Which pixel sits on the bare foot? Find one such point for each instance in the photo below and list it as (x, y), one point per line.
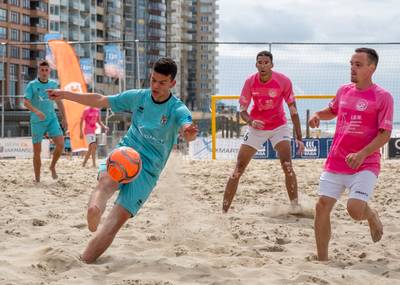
(53, 173)
(93, 218)
(375, 227)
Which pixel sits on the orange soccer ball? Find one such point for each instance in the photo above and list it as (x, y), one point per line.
(124, 164)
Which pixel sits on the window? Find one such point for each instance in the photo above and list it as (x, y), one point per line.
(14, 2)
(99, 48)
(3, 15)
(26, 53)
(14, 35)
(13, 72)
(3, 33)
(54, 10)
(99, 64)
(14, 17)
(14, 52)
(26, 20)
(99, 79)
(54, 26)
(26, 4)
(26, 37)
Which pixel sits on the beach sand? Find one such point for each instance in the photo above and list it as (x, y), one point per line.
(180, 235)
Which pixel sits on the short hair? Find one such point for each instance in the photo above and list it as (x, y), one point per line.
(43, 62)
(371, 54)
(166, 66)
(265, 53)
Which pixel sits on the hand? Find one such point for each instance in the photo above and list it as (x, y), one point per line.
(40, 115)
(354, 160)
(314, 121)
(190, 132)
(257, 124)
(300, 147)
(55, 94)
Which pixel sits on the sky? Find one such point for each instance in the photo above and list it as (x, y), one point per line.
(313, 69)
(309, 20)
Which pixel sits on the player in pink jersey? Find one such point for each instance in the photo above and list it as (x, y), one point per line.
(90, 116)
(364, 113)
(267, 121)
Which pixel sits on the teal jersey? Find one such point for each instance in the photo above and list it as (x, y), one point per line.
(36, 93)
(154, 126)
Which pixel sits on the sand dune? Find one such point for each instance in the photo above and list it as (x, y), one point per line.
(181, 237)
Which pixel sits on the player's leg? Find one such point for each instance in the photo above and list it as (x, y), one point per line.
(55, 132)
(322, 225)
(38, 130)
(280, 140)
(245, 154)
(330, 188)
(37, 163)
(130, 199)
(94, 149)
(104, 237)
(105, 188)
(87, 155)
(283, 149)
(361, 190)
(59, 147)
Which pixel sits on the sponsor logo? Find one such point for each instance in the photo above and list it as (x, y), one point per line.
(163, 120)
(74, 87)
(362, 105)
(272, 93)
(361, 193)
(140, 109)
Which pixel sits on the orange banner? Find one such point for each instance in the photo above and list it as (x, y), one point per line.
(71, 79)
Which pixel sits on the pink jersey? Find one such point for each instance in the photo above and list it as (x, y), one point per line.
(360, 115)
(90, 117)
(267, 98)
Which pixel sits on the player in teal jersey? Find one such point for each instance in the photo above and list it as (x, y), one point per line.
(44, 118)
(157, 119)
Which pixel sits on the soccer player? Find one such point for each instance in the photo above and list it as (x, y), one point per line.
(157, 119)
(267, 121)
(44, 118)
(90, 117)
(364, 113)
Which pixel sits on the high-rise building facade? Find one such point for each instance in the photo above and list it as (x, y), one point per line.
(203, 57)
(21, 21)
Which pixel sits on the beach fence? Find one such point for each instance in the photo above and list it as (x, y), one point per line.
(206, 69)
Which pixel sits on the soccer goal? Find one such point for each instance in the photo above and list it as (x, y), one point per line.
(227, 127)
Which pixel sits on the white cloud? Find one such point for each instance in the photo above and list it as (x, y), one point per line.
(309, 20)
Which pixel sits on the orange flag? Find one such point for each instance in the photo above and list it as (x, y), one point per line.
(71, 79)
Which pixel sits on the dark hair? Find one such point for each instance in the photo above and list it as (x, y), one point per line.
(43, 62)
(371, 53)
(166, 66)
(265, 53)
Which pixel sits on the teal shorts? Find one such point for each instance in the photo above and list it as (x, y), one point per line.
(39, 129)
(133, 195)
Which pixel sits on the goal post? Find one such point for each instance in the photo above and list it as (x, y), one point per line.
(216, 98)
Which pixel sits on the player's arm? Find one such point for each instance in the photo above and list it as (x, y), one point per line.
(88, 99)
(324, 115)
(294, 115)
(189, 132)
(102, 124)
(81, 126)
(61, 108)
(354, 160)
(29, 106)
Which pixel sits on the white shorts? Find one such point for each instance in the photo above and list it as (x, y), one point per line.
(361, 184)
(90, 138)
(256, 138)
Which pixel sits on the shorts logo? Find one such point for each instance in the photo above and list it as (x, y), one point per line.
(163, 120)
(362, 105)
(361, 193)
